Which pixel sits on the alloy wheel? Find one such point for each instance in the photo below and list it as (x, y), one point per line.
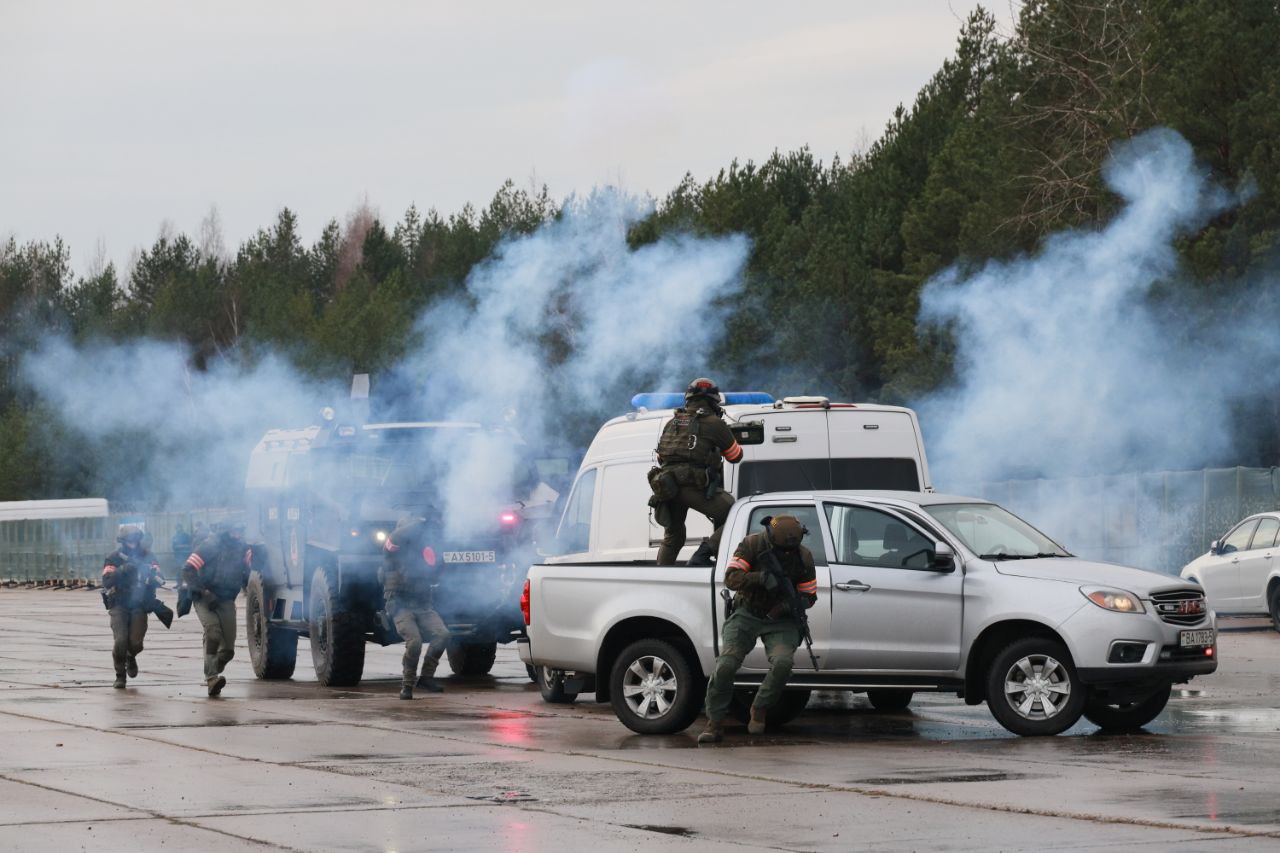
(649, 687)
(1037, 687)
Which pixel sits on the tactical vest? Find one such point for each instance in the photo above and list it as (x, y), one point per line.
(681, 442)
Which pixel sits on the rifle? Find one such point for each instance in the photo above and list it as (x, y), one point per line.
(790, 595)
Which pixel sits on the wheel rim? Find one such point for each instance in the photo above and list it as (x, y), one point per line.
(551, 677)
(256, 621)
(1037, 687)
(649, 687)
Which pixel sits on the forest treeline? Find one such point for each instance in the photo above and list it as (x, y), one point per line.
(1003, 145)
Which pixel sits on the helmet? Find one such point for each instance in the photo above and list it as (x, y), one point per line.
(233, 528)
(786, 531)
(702, 387)
(129, 534)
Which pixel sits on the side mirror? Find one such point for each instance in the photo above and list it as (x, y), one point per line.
(1215, 547)
(944, 558)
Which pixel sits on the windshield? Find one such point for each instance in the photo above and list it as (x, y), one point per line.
(994, 533)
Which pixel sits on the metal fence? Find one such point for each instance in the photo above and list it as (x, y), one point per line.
(1158, 521)
(69, 552)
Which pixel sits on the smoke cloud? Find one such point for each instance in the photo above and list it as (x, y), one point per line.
(1066, 366)
(557, 326)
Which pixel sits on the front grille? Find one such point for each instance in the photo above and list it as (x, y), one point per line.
(1180, 606)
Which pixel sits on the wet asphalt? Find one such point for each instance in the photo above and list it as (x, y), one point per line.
(489, 766)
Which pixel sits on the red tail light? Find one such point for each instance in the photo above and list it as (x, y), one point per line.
(509, 518)
(429, 555)
(524, 603)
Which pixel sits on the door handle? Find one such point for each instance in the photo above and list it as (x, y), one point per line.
(854, 586)
(1235, 559)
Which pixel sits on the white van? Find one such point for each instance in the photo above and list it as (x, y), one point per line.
(808, 444)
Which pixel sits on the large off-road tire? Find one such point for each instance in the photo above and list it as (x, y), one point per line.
(551, 686)
(790, 706)
(1033, 689)
(1129, 716)
(890, 701)
(337, 637)
(1273, 604)
(654, 689)
(471, 659)
(273, 649)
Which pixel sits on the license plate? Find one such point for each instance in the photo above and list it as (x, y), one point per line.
(1193, 639)
(471, 556)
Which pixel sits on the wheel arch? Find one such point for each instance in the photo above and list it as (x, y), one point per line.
(626, 632)
(988, 643)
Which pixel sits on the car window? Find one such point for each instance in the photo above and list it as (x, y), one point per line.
(791, 475)
(868, 537)
(808, 515)
(1265, 535)
(575, 530)
(1238, 539)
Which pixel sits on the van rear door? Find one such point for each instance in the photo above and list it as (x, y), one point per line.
(873, 449)
(793, 457)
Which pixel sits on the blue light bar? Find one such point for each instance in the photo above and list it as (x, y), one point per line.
(674, 400)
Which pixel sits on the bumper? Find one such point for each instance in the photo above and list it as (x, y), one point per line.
(525, 650)
(1091, 633)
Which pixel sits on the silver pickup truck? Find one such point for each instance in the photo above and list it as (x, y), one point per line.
(916, 592)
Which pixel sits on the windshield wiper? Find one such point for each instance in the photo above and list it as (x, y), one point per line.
(1017, 556)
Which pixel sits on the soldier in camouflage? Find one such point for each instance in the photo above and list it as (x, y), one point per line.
(761, 612)
(690, 475)
(213, 576)
(408, 573)
(130, 576)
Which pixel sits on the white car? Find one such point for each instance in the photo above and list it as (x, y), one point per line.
(1241, 571)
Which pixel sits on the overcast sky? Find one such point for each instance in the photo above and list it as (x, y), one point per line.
(121, 115)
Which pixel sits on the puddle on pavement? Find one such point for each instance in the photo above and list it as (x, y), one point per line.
(681, 831)
(1224, 720)
(929, 777)
(1219, 806)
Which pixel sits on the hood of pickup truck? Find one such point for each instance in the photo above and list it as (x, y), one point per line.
(1078, 571)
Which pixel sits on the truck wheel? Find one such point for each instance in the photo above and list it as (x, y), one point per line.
(470, 659)
(337, 638)
(790, 706)
(532, 672)
(1129, 716)
(272, 648)
(653, 688)
(1032, 687)
(551, 686)
(889, 701)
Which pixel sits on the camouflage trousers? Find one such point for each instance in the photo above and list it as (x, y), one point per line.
(128, 627)
(415, 624)
(716, 508)
(741, 630)
(218, 618)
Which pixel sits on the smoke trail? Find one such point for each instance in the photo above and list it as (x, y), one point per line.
(1064, 367)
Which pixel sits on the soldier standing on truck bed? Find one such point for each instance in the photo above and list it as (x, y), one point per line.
(212, 577)
(408, 573)
(130, 576)
(691, 451)
(762, 609)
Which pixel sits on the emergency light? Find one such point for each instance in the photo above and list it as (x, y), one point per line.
(665, 400)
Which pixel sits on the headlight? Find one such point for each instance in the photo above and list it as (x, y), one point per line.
(380, 536)
(1113, 599)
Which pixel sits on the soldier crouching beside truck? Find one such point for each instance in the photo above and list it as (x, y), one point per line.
(775, 581)
(212, 577)
(130, 576)
(408, 573)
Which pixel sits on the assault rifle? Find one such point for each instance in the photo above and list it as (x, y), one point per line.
(790, 595)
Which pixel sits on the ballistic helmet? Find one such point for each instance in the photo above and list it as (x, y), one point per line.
(129, 534)
(786, 531)
(703, 387)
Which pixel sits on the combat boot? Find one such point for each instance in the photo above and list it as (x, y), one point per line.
(756, 726)
(406, 692)
(216, 685)
(713, 733)
(119, 683)
(131, 667)
(429, 684)
(704, 556)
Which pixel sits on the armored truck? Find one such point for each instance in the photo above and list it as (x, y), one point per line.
(322, 500)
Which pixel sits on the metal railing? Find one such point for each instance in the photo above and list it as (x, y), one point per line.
(62, 553)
